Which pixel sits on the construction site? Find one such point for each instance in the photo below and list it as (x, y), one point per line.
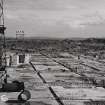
(56, 78)
(36, 71)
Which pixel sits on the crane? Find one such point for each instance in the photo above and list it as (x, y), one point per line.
(14, 86)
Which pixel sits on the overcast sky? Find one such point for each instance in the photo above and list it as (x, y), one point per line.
(56, 18)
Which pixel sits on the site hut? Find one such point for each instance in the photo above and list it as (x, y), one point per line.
(23, 58)
(16, 59)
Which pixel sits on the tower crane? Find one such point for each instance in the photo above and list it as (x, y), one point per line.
(14, 86)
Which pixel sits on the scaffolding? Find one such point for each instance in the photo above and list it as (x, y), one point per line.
(19, 39)
(20, 46)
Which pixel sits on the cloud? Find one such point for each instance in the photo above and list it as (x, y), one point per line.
(11, 16)
(55, 16)
(40, 5)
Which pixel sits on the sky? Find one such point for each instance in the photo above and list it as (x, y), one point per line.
(55, 18)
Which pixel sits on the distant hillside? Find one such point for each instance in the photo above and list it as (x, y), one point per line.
(72, 44)
(95, 40)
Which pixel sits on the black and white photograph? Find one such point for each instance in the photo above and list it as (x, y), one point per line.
(52, 52)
